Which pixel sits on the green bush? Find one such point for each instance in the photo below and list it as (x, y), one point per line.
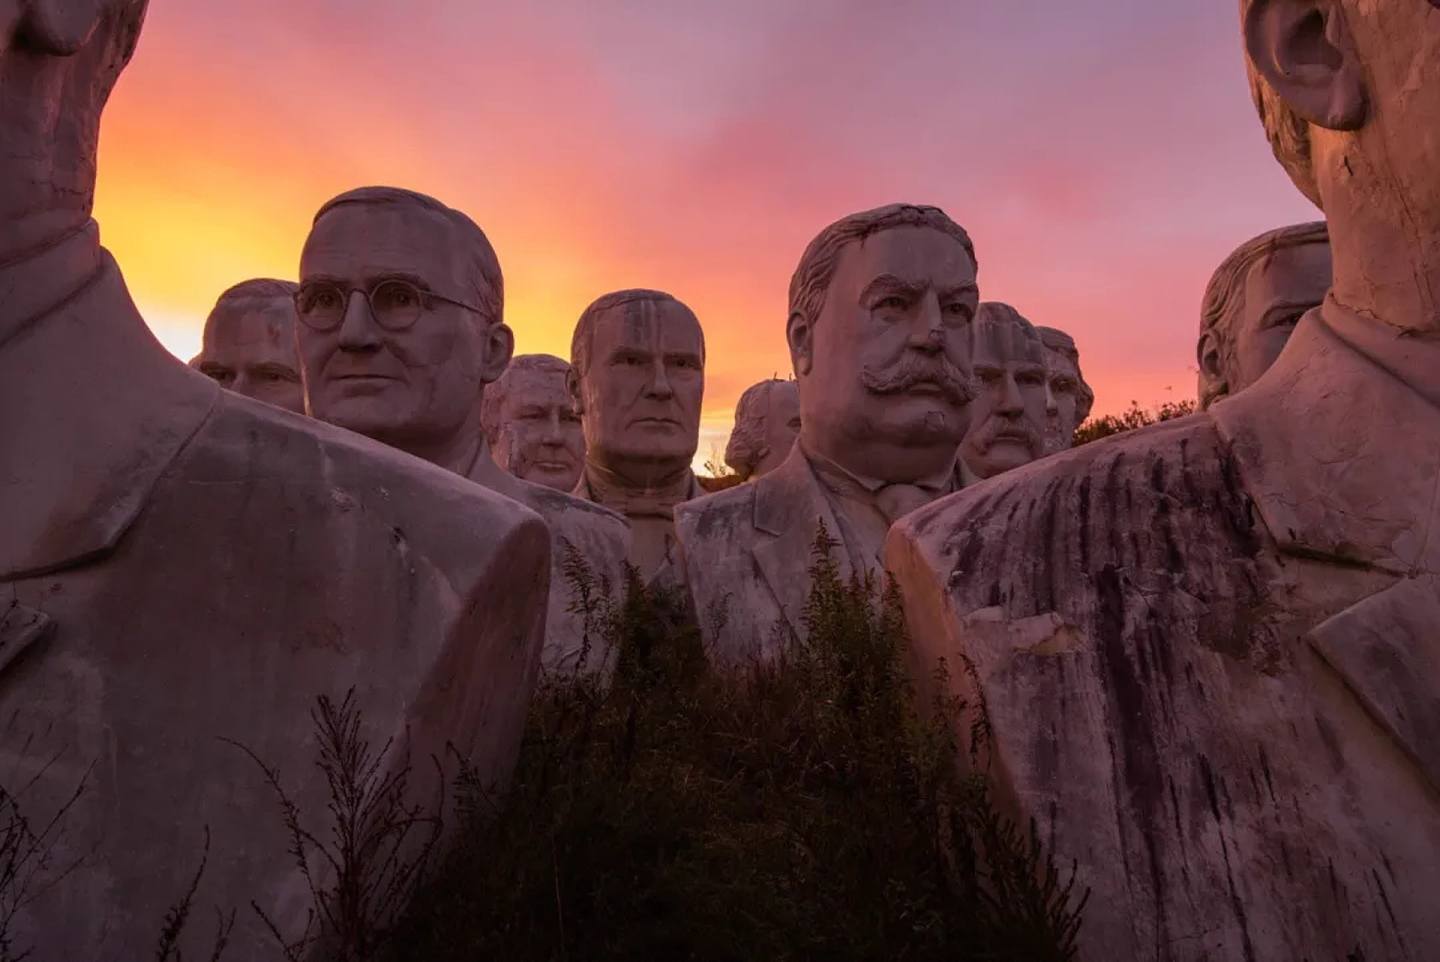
(1132, 418)
(802, 809)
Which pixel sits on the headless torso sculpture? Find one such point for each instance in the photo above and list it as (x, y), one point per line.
(1208, 649)
(180, 565)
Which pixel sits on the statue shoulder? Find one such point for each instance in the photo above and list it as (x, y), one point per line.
(715, 515)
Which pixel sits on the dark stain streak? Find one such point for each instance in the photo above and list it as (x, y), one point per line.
(1208, 777)
(1265, 770)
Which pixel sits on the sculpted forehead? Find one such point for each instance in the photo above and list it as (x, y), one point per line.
(1059, 362)
(1291, 276)
(357, 242)
(542, 388)
(998, 343)
(251, 324)
(649, 325)
(918, 255)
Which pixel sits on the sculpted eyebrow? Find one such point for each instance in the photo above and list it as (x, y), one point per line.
(888, 284)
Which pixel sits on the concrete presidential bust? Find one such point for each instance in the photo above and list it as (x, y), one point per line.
(401, 310)
(249, 344)
(638, 380)
(1008, 418)
(881, 307)
(1208, 648)
(1068, 398)
(531, 425)
(1253, 303)
(180, 564)
(767, 422)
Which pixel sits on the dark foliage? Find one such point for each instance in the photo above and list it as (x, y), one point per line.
(798, 810)
(1135, 417)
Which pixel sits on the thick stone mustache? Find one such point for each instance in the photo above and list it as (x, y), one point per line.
(911, 372)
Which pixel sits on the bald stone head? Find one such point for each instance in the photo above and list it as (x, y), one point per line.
(1253, 302)
(1007, 418)
(59, 60)
(767, 421)
(249, 344)
(638, 383)
(881, 305)
(401, 321)
(1068, 399)
(530, 422)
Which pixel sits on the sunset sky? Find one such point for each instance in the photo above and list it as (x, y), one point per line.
(1103, 154)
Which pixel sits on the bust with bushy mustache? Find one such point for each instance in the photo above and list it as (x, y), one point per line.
(881, 350)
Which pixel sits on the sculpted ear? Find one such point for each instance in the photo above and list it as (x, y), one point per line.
(499, 348)
(61, 27)
(1212, 375)
(572, 388)
(1304, 51)
(800, 334)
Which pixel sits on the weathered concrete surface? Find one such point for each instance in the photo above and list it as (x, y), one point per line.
(1231, 731)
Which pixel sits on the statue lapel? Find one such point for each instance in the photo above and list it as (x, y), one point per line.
(789, 508)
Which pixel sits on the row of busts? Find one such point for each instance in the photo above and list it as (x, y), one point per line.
(1033, 395)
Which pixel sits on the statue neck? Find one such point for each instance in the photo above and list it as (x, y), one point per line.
(34, 282)
(672, 486)
(458, 451)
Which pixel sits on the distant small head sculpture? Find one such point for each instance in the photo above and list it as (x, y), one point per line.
(1068, 399)
(767, 421)
(249, 343)
(530, 422)
(1253, 302)
(59, 60)
(1007, 425)
(881, 306)
(638, 380)
(401, 310)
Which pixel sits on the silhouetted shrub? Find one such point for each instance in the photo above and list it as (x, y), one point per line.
(1132, 418)
(802, 809)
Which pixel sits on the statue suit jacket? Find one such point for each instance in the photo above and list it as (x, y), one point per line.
(745, 557)
(180, 566)
(1210, 656)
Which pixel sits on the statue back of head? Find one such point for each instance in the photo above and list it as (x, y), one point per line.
(880, 309)
(1254, 300)
(767, 421)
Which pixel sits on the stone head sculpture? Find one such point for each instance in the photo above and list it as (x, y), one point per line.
(58, 63)
(767, 421)
(249, 343)
(530, 421)
(1253, 302)
(401, 322)
(638, 379)
(1008, 417)
(1334, 82)
(1068, 399)
(879, 331)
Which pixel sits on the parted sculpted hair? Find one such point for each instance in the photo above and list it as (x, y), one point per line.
(580, 342)
(493, 403)
(484, 273)
(1057, 340)
(812, 277)
(746, 447)
(1225, 294)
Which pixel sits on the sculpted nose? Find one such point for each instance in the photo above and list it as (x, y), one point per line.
(927, 331)
(660, 383)
(357, 330)
(1011, 403)
(552, 434)
(1052, 402)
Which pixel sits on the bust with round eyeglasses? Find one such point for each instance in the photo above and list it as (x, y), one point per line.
(401, 309)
